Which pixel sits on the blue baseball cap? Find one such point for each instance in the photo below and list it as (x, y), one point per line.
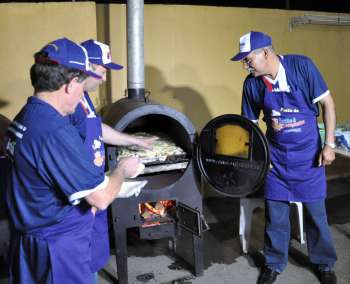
(250, 42)
(100, 54)
(69, 54)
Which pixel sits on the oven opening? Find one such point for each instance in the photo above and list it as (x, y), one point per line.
(158, 219)
(157, 213)
(171, 152)
(160, 123)
(164, 156)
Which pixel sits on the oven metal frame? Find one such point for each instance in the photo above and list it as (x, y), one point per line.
(125, 214)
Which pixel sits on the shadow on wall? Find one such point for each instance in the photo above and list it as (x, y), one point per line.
(184, 98)
(103, 35)
(3, 103)
(14, 95)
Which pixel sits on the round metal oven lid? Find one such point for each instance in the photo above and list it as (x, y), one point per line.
(232, 155)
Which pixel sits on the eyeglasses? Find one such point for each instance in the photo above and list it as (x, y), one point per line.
(248, 61)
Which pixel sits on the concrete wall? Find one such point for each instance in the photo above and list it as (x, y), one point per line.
(24, 29)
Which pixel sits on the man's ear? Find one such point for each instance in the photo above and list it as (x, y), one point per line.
(68, 88)
(266, 52)
(69, 85)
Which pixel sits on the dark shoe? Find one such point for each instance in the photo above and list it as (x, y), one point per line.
(268, 276)
(328, 277)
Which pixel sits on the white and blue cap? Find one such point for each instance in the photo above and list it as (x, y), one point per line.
(100, 54)
(69, 54)
(250, 42)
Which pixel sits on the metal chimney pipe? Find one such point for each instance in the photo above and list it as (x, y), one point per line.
(135, 44)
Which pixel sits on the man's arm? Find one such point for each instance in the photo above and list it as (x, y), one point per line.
(127, 168)
(327, 155)
(252, 99)
(114, 137)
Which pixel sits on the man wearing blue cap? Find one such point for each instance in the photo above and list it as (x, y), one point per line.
(53, 182)
(288, 90)
(95, 134)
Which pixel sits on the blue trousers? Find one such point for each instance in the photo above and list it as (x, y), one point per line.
(277, 235)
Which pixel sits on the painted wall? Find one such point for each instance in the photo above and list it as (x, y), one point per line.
(187, 52)
(24, 29)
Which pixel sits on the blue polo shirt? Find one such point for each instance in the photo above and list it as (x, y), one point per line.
(84, 109)
(308, 79)
(51, 170)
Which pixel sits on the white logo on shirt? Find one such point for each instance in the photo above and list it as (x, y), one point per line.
(97, 144)
(275, 113)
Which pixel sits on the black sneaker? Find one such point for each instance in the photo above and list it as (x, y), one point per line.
(268, 276)
(328, 277)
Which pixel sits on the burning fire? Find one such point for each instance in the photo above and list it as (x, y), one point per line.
(151, 210)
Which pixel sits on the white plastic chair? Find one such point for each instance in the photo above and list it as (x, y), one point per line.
(247, 206)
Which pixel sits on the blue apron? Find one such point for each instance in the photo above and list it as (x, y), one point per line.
(295, 145)
(56, 254)
(94, 144)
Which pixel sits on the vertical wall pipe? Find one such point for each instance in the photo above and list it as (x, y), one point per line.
(135, 44)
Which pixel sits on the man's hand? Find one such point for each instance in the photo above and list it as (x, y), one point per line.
(146, 143)
(327, 156)
(114, 137)
(129, 167)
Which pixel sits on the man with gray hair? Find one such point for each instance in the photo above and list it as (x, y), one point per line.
(288, 90)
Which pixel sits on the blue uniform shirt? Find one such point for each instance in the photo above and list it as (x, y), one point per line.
(89, 126)
(51, 171)
(308, 79)
(78, 118)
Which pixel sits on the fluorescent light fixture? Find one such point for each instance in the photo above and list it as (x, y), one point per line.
(309, 19)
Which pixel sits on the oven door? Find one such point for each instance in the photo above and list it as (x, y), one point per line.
(191, 219)
(232, 155)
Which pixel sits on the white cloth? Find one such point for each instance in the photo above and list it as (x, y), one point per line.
(130, 188)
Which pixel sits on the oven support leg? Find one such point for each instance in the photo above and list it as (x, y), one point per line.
(120, 243)
(197, 243)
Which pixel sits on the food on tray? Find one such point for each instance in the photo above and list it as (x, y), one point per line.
(162, 149)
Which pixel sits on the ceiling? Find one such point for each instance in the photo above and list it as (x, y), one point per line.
(341, 6)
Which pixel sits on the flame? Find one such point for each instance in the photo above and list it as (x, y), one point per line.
(150, 210)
